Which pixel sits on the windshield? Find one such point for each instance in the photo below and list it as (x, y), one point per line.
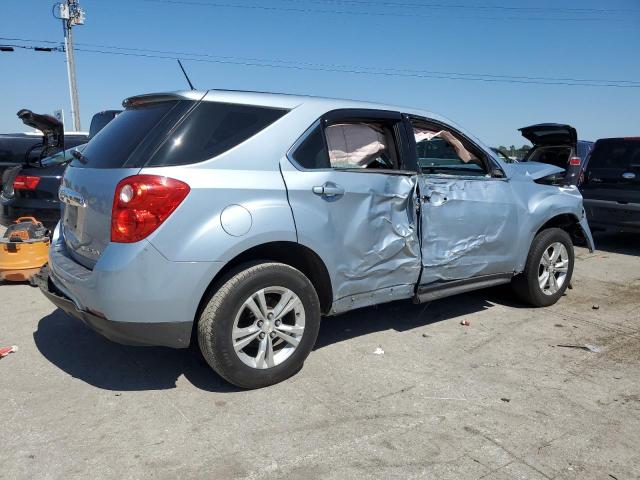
(61, 157)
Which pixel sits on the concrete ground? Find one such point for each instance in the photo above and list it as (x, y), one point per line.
(497, 399)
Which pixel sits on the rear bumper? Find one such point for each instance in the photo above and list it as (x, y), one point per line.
(127, 333)
(133, 295)
(604, 214)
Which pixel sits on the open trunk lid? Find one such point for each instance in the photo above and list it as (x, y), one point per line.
(52, 130)
(550, 134)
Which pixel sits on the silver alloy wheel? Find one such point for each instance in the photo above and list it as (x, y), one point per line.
(268, 327)
(553, 268)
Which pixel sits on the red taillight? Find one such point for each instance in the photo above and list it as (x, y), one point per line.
(25, 182)
(575, 161)
(141, 203)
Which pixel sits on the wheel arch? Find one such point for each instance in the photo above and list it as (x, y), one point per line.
(293, 254)
(565, 220)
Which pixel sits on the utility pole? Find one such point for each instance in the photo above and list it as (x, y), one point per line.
(71, 15)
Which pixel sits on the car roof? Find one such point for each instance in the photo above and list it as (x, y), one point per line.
(281, 100)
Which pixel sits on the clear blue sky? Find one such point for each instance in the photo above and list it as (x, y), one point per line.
(560, 42)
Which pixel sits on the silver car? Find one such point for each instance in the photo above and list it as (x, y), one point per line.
(237, 219)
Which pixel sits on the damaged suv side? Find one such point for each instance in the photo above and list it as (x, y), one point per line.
(239, 218)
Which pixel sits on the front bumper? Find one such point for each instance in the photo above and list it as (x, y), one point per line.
(126, 333)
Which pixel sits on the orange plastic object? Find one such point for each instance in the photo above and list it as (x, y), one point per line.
(21, 258)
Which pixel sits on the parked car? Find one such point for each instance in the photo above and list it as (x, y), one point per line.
(243, 217)
(31, 188)
(611, 186)
(557, 144)
(27, 148)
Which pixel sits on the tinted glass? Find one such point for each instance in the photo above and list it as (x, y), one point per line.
(312, 152)
(61, 157)
(211, 129)
(100, 120)
(620, 154)
(113, 146)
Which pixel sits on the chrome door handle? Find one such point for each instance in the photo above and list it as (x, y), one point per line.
(328, 190)
(628, 175)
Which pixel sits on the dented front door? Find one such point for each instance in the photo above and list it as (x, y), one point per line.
(469, 227)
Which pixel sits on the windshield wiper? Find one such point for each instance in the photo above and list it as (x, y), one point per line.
(77, 154)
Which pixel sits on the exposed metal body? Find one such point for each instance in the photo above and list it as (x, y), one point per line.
(381, 236)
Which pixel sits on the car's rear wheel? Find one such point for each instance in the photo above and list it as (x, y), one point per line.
(260, 325)
(548, 270)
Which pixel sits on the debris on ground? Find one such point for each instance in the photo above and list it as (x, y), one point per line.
(378, 351)
(4, 351)
(466, 323)
(505, 399)
(595, 306)
(426, 335)
(586, 346)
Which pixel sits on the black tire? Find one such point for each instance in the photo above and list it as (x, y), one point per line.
(215, 325)
(526, 284)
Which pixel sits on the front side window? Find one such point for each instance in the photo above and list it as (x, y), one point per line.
(441, 152)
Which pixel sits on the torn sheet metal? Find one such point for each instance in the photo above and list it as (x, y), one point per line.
(366, 236)
(468, 226)
(383, 250)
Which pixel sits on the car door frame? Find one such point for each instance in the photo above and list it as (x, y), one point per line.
(404, 169)
(433, 290)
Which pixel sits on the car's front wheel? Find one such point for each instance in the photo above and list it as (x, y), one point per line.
(260, 325)
(548, 270)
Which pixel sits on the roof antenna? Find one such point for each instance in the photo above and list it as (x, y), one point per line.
(185, 74)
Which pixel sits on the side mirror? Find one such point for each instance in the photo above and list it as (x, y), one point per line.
(497, 173)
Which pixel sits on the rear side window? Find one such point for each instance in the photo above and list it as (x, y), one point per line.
(619, 154)
(212, 129)
(115, 144)
(312, 152)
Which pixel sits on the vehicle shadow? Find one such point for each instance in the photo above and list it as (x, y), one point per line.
(86, 355)
(618, 242)
(74, 348)
(405, 315)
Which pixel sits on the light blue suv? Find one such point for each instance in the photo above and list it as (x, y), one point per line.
(240, 218)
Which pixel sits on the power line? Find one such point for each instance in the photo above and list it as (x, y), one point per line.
(393, 4)
(364, 72)
(300, 65)
(370, 13)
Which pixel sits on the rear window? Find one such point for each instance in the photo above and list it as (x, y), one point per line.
(212, 129)
(175, 133)
(619, 154)
(116, 144)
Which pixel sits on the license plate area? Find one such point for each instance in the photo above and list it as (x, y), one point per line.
(71, 217)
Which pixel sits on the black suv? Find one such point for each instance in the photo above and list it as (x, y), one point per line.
(611, 187)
